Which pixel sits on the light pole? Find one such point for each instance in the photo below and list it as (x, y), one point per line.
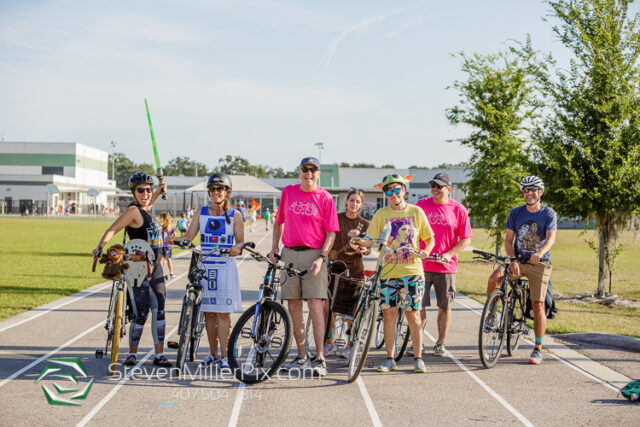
(113, 160)
(320, 147)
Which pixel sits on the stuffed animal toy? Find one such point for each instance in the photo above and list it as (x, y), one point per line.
(114, 262)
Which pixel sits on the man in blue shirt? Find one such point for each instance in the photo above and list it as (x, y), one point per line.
(530, 234)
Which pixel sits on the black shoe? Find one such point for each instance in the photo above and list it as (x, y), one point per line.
(131, 360)
(162, 361)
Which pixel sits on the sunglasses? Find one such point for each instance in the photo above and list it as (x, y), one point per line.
(144, 190)
(529, 190)
(395, 191)
(434, 185)
(305, 169)
(216, 189)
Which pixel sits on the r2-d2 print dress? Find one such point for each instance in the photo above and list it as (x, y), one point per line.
(222, 290)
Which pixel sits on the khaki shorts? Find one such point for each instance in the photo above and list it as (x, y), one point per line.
(445, 287)
(305, 287)
(538, 275)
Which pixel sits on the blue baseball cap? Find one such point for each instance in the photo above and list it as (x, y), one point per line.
(310, 161)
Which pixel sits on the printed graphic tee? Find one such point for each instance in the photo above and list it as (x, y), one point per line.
(531, 230)
(408, 227)
(450, 223)
(307, 216)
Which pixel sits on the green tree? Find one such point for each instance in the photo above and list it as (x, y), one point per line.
(387, 167)
(185, 166)
(125, 168)
(588, 145)
(363, 165)
(236, 165)
(345, 165)
(496, 101)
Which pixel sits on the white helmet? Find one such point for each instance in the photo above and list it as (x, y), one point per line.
(532, 181)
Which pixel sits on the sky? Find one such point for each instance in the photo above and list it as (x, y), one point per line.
(264, 80)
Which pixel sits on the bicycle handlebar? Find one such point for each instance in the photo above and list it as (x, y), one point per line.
(487, 256)
(278, 265)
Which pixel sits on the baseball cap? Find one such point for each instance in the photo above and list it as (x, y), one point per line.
(441, 178)
(310, 160)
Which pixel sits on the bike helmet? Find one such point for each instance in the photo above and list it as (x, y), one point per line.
(532, 181)
(140, 178)
(221, 179)
(631, 391)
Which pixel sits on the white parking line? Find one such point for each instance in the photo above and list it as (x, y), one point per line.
(113, 391)
(71, 341)
(61, 305)
(558, 358)
(375, 419)
(488, 389)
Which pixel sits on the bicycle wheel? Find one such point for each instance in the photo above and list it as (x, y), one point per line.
(198, 327)
(254, 357)
(361, 334)
(379, 334)
(492, 332)
(117, 331)
(185, 330)
(516, 322)
(402, 336)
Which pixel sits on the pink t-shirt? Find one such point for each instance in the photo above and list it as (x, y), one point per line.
(450, 223)
(307, 217)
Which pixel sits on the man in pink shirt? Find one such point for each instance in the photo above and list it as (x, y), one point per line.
(452, 231)
(309, 213)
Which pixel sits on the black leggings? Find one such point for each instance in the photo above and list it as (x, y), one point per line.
(150, 295)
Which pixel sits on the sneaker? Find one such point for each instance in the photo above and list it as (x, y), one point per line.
(439, 349)
(536, 357)
(387, 365)
(329, 348)
(320, 367)
(345, 352)
(162, 362)
(420, 367)
(224, 363)
(209, 360)
(131, 360)
(298, 363)
(171, 275)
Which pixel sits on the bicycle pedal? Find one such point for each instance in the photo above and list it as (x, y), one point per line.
(99, 354)
(368, 363)
(172, 344)
(246, 333)
(340, 342)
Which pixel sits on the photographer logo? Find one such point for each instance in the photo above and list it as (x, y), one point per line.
(65, 394)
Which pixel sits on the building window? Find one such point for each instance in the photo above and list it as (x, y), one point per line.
(52, 170)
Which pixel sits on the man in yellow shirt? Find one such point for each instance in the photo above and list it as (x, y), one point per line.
(402, 280)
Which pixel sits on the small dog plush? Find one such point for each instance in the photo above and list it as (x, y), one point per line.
(114, 262)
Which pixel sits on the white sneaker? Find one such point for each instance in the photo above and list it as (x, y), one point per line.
(298, 363)
(329, 348)
(345, 352)
(210, 360)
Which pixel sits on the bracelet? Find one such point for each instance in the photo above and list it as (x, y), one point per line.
(324, 258)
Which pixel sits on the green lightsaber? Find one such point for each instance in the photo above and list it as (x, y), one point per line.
(155, 151)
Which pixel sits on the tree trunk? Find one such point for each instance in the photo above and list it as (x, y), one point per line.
(608, 239)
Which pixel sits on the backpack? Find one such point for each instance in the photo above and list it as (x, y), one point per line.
(182, 224)
(549, 305)
(631, 391)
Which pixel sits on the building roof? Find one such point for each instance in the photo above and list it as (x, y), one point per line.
(243, 185)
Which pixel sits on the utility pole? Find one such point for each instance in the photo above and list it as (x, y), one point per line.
(320, 147)
(113, 160)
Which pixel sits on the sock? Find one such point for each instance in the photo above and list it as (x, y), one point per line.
(539, 343)
(158, 355)
(131, 354)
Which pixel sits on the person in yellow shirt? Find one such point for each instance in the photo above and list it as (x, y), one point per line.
(402, 280)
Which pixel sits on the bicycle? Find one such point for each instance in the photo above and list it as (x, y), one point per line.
(503, 314)
(367, 309)
(122, 311)
(192, 320)
(264, 327)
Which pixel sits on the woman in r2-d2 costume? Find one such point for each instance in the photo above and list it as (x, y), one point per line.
(219, 226)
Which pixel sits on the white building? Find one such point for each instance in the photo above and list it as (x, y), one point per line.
(27, 167)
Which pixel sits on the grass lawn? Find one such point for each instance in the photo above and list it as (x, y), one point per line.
(43, 260)
(575, 272)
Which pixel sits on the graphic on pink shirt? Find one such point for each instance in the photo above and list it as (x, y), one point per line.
(450, 223)
(307, 216)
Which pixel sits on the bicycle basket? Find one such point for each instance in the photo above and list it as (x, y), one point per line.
(346, 292)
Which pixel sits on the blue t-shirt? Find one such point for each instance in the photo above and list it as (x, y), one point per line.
(531, 230)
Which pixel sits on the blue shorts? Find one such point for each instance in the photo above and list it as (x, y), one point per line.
(404, 292)
(166, 251)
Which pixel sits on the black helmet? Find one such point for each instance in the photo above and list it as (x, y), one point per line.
(221, 179)
(140, 178)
